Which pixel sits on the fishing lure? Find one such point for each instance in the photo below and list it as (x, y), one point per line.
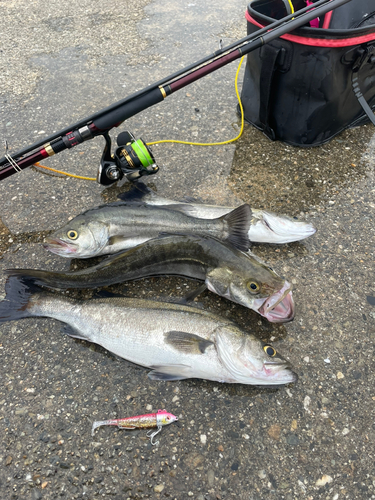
(159, 419)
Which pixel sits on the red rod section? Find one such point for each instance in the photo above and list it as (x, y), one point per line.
(204, 70)
(23, 163)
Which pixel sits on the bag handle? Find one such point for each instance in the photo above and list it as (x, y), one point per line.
(366, 55)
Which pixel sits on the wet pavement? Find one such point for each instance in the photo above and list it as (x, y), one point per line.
(311, 440)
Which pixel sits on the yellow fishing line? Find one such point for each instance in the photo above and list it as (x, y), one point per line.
(175, 140)
(213, 143)
(37, 164)
(291, 6)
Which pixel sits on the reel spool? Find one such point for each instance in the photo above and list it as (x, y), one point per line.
(134, 156)
(132, 159)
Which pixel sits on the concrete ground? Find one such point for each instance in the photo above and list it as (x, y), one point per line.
(312, 440)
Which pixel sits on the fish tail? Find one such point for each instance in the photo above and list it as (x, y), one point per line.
(15, 304)
(239, 221)
(54, 280)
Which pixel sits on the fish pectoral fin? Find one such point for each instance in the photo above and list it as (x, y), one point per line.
(239, 222)
(193, 294)
(170, 372)
(188, 343)
(113, 240)
(72, 332)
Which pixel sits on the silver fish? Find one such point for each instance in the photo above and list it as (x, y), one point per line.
(176, 342)
(111, 228)
(225, 270)
(266, 226)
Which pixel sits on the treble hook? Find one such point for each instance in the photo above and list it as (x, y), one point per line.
(153, 434)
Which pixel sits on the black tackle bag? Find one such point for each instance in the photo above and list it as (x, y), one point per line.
(308, 85)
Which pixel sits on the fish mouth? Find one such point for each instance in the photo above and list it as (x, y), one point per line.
(281, 370)
(279, 307)
(59, 247)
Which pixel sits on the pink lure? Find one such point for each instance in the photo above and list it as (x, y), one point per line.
(159, 419)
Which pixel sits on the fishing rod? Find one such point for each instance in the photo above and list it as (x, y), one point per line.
(133, 158)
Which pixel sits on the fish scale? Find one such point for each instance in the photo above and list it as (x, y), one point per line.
(265, 227)
(110, 323)
(224, 269)
(109, 229)
(175, 341)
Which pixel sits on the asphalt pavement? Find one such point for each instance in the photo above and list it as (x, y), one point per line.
(62, 61)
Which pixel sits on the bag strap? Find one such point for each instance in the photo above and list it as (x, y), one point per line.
(269, 55)
(366, 55)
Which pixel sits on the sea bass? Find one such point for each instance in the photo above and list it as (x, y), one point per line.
(266, 227)
(176, 342)
(225, 270)
(111, 228)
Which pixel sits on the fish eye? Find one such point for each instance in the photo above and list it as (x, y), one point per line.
(253, 287)
(268, 349)
(168, 418)
(73, 235)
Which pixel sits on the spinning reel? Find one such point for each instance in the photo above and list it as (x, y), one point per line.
(132, 159)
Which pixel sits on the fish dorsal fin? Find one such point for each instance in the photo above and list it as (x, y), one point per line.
(188, 343)
(239, 221)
